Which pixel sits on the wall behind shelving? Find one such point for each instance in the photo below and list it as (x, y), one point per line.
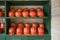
(55, 21)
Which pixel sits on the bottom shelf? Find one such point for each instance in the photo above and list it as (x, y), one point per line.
(24, 37)
(3, 34)
(2, 37)
(30, 37)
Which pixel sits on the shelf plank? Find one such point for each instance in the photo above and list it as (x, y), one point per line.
(29, 35)
(27, 0)
(26, 17)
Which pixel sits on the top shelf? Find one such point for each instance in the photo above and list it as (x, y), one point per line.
(2, 3)
(27, 0)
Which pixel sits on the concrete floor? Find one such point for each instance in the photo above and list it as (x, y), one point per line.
(55, 21)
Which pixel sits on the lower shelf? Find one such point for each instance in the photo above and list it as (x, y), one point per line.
(30, 37)
(24, 37)
(2, 37)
